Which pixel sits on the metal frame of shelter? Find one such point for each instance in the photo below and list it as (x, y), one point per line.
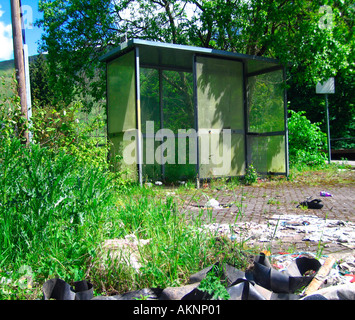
(224, 93)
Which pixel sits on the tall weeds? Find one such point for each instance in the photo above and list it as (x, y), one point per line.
(59, 202)
(55, 214)
(51, 209)
(176, 248)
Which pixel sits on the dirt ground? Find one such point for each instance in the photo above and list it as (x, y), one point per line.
(260, 202)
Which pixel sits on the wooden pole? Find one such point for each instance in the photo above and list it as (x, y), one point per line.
(19, 64)
(321, 275)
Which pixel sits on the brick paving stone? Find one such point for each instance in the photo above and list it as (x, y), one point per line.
(258, 203)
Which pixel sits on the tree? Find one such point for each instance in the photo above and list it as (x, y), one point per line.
(42, 94)
(299, 33)
(341, 107)
(77, 32)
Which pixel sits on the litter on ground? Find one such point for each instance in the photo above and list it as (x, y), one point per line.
(281, 277)
(283, 227)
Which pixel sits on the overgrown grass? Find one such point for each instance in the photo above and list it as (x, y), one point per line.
(333, 173)
(176, 248)
(51, 212)
(55, 215)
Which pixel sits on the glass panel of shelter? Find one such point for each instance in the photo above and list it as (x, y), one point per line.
(121, 113)
(266, 121)
(167, 101)
(166, 106)
(220, 104)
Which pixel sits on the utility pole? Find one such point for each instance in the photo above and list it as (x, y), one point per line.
(19, 63)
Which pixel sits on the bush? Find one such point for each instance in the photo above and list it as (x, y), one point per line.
(305, 141)
(56, 127)
(60, 129)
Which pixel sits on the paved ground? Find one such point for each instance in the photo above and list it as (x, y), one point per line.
(260, 202)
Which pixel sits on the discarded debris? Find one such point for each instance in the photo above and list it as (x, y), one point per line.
(320, 277)
(339, 292)
(262, 282)
(325, 194)
(124, 251)
(58, 289)
(311, 204)
(213, 203)
(288, 227)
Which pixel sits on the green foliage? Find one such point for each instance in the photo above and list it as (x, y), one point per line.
(78, 32)
(213, 286)
(265, 102)
(51, 209)
(251, 176)
(341, 107)
(57, 128)
(7, 69)
(175, 247)
(12, 124)
(42, 93)
(73, 61)
(61, 130)
(305, 141)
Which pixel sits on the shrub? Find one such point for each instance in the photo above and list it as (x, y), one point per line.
(56, 127)
(305, 141)
(61, 130)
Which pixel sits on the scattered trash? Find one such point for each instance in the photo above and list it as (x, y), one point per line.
(297, 276)
(321, 275)
(352, 280)
(304, 278)
(288, 281)
(233, 237)
(213, 203)
(124, 251)
(339, 292)
(287, 228)
(325, 194)
(312, 204)
(58, 289)
(347, 265)
(266, 252)
(146, 293)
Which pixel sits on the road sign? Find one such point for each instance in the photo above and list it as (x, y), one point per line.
(326, 87)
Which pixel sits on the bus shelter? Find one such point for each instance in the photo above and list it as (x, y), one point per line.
(179, 112)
